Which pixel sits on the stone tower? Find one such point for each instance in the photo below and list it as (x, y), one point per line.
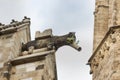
(105, 60)
(101, 21)
(23, 59)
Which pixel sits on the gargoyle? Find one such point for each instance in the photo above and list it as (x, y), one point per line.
(53, 41)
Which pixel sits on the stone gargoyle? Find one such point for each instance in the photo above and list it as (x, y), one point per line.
(46, 39)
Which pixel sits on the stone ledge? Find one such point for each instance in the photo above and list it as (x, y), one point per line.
(105, 6)
(31, 58)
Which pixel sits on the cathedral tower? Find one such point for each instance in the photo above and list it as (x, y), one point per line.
(105, 60)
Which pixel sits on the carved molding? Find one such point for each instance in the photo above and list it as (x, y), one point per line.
(13, 26)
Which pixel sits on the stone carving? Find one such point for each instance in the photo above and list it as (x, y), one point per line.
(106, 57)
(51, 42)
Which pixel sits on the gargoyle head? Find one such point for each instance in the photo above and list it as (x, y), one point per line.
(71, 40)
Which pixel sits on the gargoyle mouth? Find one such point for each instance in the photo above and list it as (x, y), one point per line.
(75, 46)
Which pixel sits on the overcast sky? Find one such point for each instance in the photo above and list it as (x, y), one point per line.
(62, 16)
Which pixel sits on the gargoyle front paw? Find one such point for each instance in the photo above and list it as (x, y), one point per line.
(50, 46)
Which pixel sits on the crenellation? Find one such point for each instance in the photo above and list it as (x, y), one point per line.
(13, 26)
(26, 19)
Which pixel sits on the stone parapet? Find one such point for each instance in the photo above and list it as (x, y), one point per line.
(13, 26)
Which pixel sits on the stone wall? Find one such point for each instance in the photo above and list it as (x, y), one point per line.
(28, 71)
(40, 65)
(105, 62)
(106, 15)
(101, 21)
(11, 42)
(114, 12)
(11, 38)
(30, 64)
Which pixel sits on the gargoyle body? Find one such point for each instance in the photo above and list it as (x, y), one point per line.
(53, 41)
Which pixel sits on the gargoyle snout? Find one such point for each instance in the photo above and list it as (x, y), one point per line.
(79, 49)
(75, 46)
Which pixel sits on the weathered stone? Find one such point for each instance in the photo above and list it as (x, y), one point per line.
(105, 61)
(45, 34)
(50, 42)
(35, 62)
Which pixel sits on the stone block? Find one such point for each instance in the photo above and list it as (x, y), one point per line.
(27, 79)
(46, 33)
(1, 65)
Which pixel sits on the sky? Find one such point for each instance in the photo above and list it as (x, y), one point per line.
(63, 16)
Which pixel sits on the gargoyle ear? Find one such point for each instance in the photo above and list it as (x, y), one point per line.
(71, 33)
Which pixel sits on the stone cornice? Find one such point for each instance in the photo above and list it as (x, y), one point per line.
(105, 6)
(102, 42)
(13, 26)
(31, 58)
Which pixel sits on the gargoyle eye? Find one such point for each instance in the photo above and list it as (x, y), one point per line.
(70, 40)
